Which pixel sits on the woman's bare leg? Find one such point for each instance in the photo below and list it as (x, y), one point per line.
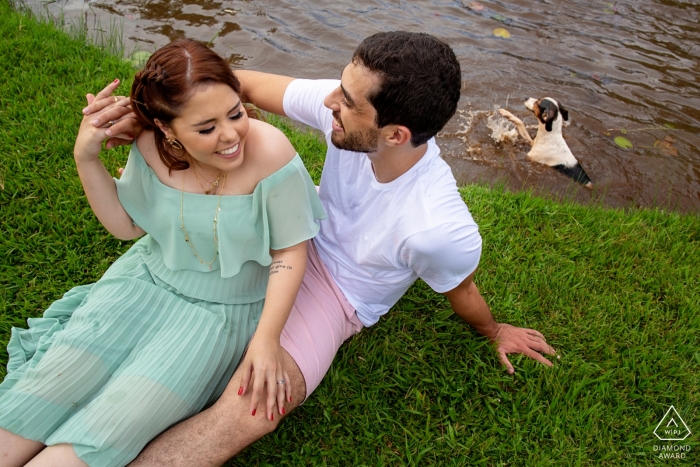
(15, 450)
(60, 455)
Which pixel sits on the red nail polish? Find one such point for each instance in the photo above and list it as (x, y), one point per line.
(253, 412)
(116, 80)
(290, 398)
(272, 418)
(283, 412)
(240, 390)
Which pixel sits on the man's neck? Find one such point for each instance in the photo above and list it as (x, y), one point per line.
(389, 163)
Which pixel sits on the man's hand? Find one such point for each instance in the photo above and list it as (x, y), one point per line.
(469, 305)
(511, 339)
(123, 128)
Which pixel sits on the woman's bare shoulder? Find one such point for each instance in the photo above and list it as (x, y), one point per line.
(269, 148)
(145, 143)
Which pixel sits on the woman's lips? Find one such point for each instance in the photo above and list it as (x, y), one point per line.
(230, 152)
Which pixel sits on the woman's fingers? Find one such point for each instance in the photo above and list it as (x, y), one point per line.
(112, 114)
(280, 386)
(258, 388)
(107, 90)
(271, 380)
(107, 107)
(284, 393)
(245, 379)
(103, 99)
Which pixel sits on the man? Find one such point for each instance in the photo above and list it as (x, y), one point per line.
(394, 215)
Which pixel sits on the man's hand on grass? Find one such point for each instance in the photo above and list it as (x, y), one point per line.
(511, 339)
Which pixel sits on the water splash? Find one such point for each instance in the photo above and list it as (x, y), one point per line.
(502, 130)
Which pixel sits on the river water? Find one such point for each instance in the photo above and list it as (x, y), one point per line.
(627, 69)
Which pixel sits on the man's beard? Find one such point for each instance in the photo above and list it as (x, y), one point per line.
(356, 141)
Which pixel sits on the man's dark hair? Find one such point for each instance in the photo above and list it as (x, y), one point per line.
(420, 81)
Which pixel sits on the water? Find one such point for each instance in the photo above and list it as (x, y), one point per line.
(626, 69)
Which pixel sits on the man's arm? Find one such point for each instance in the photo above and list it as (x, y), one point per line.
(264, 90)
(467, 303)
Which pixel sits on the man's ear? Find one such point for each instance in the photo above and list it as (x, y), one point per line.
(397, 135)
(164, 128)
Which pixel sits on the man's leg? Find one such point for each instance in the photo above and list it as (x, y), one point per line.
(215, 435)
(320, 321)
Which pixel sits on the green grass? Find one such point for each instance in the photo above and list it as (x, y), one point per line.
(616, 293)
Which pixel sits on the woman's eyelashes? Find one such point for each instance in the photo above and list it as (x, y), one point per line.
(232, 117)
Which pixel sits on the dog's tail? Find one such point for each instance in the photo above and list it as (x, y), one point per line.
(575, 172)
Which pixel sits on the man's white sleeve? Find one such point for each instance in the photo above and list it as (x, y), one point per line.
(303, 102)
(445, 255)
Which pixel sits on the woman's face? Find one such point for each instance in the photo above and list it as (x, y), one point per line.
(212, 127)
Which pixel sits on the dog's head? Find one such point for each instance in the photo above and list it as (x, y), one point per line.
(546, 110)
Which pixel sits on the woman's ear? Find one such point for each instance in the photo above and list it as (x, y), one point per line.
(165, 129)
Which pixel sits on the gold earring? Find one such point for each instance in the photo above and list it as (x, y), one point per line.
(175, 144)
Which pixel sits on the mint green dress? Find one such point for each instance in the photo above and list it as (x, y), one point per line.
(155, 340)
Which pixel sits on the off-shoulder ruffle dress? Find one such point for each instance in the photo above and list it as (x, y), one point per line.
(112, 364)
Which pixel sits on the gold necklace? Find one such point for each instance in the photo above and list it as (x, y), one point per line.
(216, 220)
(213, 184)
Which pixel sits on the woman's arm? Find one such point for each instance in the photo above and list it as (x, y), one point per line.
(99, 186)
(264, 357)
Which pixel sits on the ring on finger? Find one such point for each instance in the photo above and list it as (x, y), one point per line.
(280, 381)
(115, 99)
(111, 122)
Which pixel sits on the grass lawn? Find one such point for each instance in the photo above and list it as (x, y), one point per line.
(616, 293)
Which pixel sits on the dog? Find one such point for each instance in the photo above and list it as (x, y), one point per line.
(549, 147)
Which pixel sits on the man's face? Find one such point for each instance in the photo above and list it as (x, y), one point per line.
(354, 127)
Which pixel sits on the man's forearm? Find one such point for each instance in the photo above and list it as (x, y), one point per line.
(264, 90)
(468, 304)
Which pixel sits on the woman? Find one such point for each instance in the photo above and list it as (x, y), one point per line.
(157, 338)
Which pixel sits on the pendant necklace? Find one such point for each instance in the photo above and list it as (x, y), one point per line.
(212, 185)
(216, 219)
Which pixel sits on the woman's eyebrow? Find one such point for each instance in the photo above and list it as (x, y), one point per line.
(204, 122)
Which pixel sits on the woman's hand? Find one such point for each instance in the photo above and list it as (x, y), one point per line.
(264, 364)
(95, 126)
(100, 189)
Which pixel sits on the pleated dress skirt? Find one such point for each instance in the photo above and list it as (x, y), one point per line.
(113, 364)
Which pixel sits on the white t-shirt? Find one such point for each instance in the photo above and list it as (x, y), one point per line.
(380, 237)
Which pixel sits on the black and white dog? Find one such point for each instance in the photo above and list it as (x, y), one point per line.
(549, 147)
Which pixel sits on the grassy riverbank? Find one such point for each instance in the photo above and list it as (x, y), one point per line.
(617, 293)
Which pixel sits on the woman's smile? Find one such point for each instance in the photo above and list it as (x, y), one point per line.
(230, 152)
(213, 128)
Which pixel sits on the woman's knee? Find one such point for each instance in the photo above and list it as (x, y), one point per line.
(60, 454)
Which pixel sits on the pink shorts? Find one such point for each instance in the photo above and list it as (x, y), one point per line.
(320, 321)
